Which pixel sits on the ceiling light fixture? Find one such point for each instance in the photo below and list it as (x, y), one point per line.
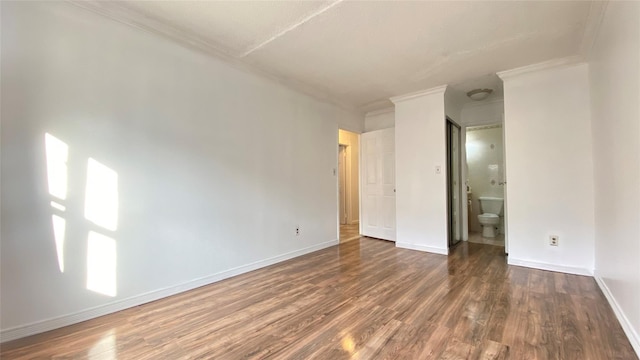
(479, 94)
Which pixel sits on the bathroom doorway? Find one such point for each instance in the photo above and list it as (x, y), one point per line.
(485, 179)
(454, 182)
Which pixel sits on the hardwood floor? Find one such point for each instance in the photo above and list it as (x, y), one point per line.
(362, 299)
(476, 237)
(349, 232)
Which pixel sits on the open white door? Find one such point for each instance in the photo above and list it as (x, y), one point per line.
(378, 184)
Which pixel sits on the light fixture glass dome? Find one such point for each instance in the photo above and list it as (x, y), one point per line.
(479, 94)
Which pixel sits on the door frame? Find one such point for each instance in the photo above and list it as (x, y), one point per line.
(499, 123)
(504, 189)
(351, 144)
(346, 185)
(450, 231)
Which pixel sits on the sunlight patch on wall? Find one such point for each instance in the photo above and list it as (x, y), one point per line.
(59, 229)
(101, 264)
(100, 208)
(101, 198)
(60, 207)
(57, 154)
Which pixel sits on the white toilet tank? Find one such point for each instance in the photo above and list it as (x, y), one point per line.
(491, 205)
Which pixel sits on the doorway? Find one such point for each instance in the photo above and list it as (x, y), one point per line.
(454, 198)
(485, 180)
(342, 182)
(348, 185)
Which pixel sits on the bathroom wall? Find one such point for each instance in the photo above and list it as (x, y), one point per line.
(484, 167)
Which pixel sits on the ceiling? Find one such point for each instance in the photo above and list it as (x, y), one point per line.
(361, 53)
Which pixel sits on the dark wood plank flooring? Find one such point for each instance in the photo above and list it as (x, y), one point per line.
(363, 299)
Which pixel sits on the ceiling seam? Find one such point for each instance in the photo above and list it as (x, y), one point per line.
(594, 19)
(216, 54)
(292, 27)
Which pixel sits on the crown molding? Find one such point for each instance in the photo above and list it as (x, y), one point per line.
(376, 105)
(592, 26)
(439, 89)
(555, 63)
(381, 111)
(115, 12)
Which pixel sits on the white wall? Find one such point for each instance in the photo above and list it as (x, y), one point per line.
(483, 113)
(453, 104)
(380, 119)
(216, 167)
(421, 198)
(614, 70)
(352, 141)
(549, 168)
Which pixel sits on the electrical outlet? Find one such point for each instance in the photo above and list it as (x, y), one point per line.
(438, 169)
(297, 230)
(553, 240)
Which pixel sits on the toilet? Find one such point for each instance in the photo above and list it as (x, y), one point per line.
(491, 210)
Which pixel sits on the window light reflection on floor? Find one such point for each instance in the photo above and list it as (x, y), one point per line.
(105, 348)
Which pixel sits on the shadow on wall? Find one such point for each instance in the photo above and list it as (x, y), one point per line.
(485, 168)
(100, 213)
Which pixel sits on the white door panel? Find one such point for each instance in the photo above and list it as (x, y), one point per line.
(389, 211)
(371, 216)
(378, 184)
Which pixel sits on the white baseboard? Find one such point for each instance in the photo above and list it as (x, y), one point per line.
(65, 320)
(424, 248)
(631, 333)
(550, 267)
